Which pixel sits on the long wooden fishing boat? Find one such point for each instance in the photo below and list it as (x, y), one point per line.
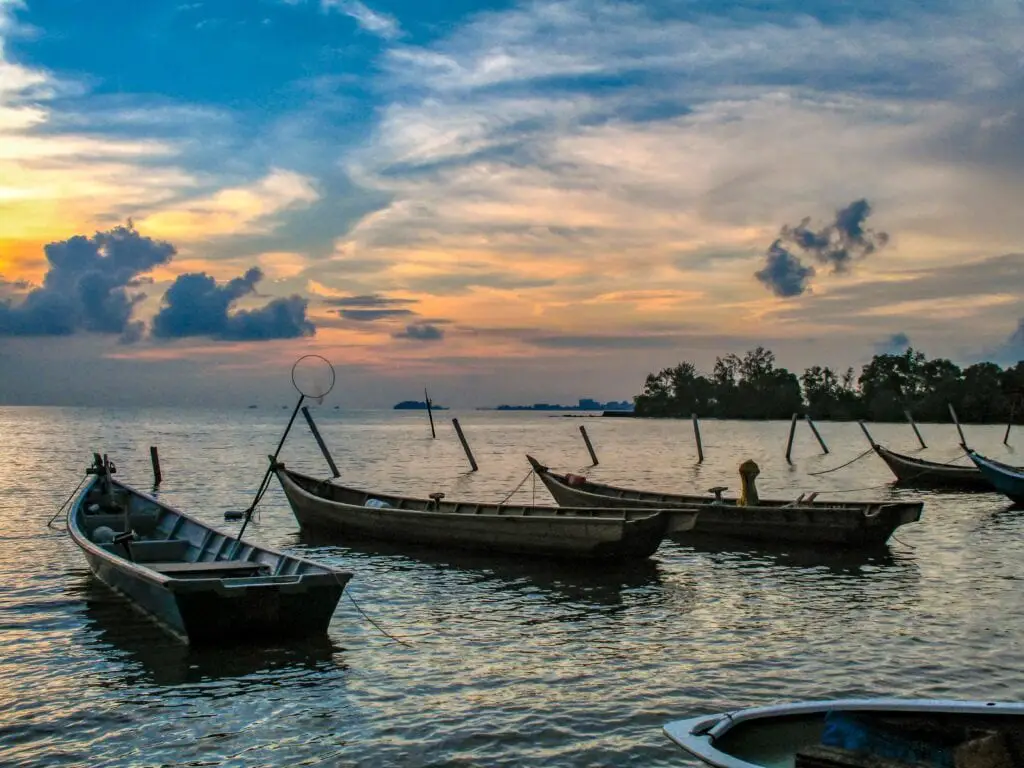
(586, 533)
(858, 733)
(849, 524)
(1006, 479)
(202, 585)
(920, 473)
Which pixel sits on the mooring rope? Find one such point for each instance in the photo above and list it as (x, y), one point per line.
(377, 626)
(851, 461)
(49, 523)
(513, 492)
(910, 479)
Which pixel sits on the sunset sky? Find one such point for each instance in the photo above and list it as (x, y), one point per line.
(503, 201)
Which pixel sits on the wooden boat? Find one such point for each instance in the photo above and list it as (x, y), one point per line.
(202, 585)
(858, 733)
(919, 473)
(1004, 478)
(588, 533)
(852, 524)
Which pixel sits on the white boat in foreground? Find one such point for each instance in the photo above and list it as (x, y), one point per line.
(858, 733)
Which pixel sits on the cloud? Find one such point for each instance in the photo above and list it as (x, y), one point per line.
(894, 345)
(420, 332)
(366, 300)
(370, 315)
(836, 244)
(784, 273)
(86, 285)
(195, 305)
(381, 24)
(1011, 351)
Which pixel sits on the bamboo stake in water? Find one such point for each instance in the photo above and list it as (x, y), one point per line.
(154, 457)
(866, 433)
(590, 447)
(952, 412)
(792, 433)
(914, 427)
(814, 429)
(696, 436)
(430, 414)
(320, 442)
(465, 445)
(1006, 437)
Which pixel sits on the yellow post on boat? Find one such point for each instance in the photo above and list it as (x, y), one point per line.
(748, 493)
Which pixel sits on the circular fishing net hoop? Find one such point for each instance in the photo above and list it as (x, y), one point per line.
(313, 376)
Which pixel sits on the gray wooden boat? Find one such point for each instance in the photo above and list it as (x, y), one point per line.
(201, 585)
(586, 533)
(858, 733)
(920, 473)
(847, 524)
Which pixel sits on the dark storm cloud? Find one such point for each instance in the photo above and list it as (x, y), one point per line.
(196, 306)
(86, 286)
(784, 274)
(370, 315)
(836, 245)
(894, 345)
(420, 332)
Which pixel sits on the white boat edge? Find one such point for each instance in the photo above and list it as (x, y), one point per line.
(697, 735)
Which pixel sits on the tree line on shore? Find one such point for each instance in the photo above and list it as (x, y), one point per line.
(752, 387)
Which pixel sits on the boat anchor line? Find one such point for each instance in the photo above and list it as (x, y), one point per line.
(841, 466)
(49, 523)
(376, 626)
(521, 483)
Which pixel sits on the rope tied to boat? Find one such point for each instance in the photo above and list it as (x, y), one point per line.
(958, 456)
(841, 466)
(49, 523)
(376, 626)
(514, 490)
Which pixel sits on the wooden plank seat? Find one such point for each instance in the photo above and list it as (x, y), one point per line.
(214, 566)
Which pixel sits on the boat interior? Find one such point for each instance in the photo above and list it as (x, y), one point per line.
(140, 530)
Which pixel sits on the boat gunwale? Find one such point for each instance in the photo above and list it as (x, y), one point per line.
(612, 516)
(697, 735)
(171, 583)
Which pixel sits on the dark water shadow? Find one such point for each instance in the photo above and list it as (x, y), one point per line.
(839, 561)
(593, 582)
(120, 633)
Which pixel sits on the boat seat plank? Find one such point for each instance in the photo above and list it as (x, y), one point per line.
(212, 567)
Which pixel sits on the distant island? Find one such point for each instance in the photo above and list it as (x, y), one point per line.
(418, 405)
(584, 404)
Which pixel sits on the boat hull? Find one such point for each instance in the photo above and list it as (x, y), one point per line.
(219, 590)
(863, 525)
(541, 533)
(763, 736)
(918, 473)
(1007, 480)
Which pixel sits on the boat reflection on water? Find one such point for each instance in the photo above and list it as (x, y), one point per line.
(582, 583)
(837, 561)
(150, 656)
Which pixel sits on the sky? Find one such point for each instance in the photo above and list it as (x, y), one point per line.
(502, 201)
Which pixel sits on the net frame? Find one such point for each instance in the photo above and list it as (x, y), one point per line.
(317, 396)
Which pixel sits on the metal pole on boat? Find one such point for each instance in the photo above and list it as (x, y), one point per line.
(814, 429)
(590, 447)
(906, 412)
(465, 445)
(696, 436)
(952, 412)
(320, 442)
(430, 415)
(792, 433)
(154, 458)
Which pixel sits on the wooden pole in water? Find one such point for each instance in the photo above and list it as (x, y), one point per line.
(952, 412)
(1006, 437)
(154, 458)
(866, 433)
(814, 429)
(320, 442)
(465, 445)
(590, 447)
(696, 436)
(792, 433)
(430, 414)
(906, 412)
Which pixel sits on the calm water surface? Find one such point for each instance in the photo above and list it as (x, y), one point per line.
(503, 662)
